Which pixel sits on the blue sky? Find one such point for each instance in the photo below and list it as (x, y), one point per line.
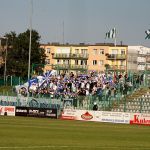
(84, 20)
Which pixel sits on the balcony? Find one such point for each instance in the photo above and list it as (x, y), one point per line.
(69, 67)
(148, 59)
(116, 56)
(114, 67)
(70, 56)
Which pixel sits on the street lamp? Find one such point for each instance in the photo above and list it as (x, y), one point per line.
(5, 67)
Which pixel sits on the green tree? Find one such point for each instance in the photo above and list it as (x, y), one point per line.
(18, 52)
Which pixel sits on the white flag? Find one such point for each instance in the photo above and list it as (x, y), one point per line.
(111, 34)
(147, 34)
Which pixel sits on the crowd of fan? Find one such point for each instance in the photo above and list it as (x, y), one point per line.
(95, 84)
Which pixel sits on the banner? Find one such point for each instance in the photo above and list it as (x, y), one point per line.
(7, 110)
(115, 117)
(84, 115)
(98, 116)
(21, 111)
(36, 112)
(140, 119)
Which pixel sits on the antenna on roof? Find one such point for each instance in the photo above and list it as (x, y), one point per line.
(63, 34)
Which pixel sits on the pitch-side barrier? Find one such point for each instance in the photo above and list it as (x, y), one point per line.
(82, 115)
(106, 116)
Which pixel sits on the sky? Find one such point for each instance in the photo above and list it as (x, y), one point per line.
(85, 21)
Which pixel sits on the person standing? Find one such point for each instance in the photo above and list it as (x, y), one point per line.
(95, 107)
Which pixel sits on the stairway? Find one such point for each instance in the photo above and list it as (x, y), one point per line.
(137, 102)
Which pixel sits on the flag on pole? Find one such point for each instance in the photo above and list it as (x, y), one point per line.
(111, 34)
(147, 34)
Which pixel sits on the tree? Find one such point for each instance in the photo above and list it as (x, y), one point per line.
(18, 52)
(107, 66)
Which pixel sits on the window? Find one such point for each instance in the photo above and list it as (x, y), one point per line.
(94, 62)
(101, 62)
(113, 62)
(114, 51)
(83, 51)
(122, 63)
(58, 61)
(66, 62)
(101, 51)
(83, 62)
(48, 50)
(122, 51)
(47, 61)
(76, 62)
(95, 51)
(77, 51)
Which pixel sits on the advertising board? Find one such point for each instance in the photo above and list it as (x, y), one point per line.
(98, 116)
(21, 111)
(115, 117)
(140, 119)
(73, 114)
(36, 112)
(7, 110)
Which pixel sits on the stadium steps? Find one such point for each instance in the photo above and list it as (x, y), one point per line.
(133, 102)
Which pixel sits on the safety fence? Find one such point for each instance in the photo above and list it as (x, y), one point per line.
(139, 102)
(129, 96)
(12, 81)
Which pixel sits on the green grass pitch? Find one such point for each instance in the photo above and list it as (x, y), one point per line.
(25, 133)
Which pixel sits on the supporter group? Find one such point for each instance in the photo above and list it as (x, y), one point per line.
(95, 84)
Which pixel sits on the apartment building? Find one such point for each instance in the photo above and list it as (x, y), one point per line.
(97, 57)
(84, 58)
(138, 58)
(66, 58)
(117, 58)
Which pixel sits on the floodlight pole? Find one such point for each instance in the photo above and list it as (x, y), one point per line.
(5, 68)
(30, 40)
(29, 60)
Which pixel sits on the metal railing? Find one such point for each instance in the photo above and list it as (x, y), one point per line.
(118, 103)
(116, 67)
(136, 99)
(69, 67)
(12, 81)
(70, 56)
(116, 56)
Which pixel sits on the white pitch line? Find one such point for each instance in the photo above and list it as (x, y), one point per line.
(32, 147)
(67, 146)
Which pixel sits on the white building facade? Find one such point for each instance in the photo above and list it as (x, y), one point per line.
(138, 58)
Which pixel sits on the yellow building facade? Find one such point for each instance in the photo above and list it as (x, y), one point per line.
(117, 58)
(84, 58)
(66, 58)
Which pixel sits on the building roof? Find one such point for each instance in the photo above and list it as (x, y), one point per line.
(83, 44)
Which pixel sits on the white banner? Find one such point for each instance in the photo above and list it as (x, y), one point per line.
(115, 117)
(98, 116)
(85, 115)
(7, 110)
